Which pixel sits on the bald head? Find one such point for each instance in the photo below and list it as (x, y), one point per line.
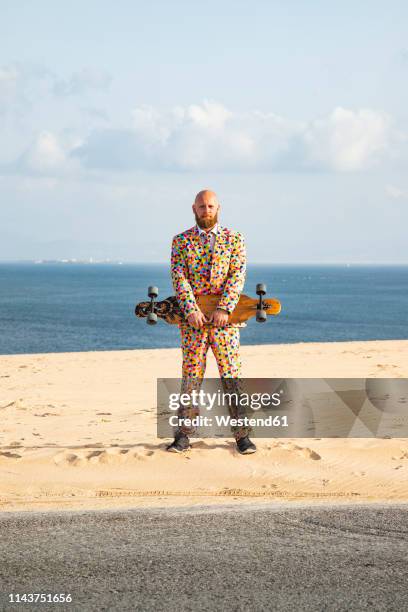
(205, 208)
(205, 196)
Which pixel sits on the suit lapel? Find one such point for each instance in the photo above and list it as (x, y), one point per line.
(197, 243)
(218, 251)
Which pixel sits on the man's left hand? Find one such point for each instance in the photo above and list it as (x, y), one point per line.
(219, 318)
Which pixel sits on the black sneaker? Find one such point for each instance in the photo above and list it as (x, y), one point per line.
(245, 446)
(181, 443)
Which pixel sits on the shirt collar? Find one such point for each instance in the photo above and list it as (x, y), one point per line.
(214, 230)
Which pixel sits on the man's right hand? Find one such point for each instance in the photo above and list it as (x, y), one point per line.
(197, 319)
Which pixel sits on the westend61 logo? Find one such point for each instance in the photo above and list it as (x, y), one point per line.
(284, 408)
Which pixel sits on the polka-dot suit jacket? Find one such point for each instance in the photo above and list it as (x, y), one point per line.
(191, 275)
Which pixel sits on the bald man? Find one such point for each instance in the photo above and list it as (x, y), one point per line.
(209, 259)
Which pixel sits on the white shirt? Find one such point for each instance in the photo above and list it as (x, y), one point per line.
(213, 234)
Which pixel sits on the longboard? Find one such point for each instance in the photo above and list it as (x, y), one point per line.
(169, 310)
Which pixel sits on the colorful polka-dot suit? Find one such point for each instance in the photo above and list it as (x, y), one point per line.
(196, 271)
(189, 269)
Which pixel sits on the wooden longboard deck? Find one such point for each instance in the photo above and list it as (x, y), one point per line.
(169, 309)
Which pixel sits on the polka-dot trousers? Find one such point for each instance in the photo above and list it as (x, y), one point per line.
(224, 343)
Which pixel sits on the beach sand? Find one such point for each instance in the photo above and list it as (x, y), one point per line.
(78, 431)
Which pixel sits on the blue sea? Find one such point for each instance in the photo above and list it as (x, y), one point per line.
(86, 307)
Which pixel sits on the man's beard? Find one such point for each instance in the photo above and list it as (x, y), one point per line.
(207, 222)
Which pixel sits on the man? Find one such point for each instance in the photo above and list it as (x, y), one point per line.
(209, 259)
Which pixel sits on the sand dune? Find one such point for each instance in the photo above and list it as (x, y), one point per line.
(78, 430)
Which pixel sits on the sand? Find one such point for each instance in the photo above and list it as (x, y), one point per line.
(78, 431)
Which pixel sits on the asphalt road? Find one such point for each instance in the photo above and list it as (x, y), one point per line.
(263, 558)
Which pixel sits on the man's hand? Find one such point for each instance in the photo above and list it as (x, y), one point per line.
(219, 318)
(197, 319)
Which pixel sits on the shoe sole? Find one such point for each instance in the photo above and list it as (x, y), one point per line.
(248, 451)
(172, 449)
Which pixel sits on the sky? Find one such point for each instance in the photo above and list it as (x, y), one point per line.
(113, 115)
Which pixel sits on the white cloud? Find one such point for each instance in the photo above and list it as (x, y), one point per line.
(154, 127)
(48, 156)
(22, 85)
(396, 192)
(348, 140)
(82, 82)
(46, 153)
(211, 137)
(26, 85)
(8, 82)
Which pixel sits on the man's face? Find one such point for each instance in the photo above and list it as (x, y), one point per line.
(206, 212)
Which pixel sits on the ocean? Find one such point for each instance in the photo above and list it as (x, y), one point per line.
(90, 307)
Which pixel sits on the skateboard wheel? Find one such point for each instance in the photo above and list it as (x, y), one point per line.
(152, 292)
(152, 318)
(260, 289)
(261, 316)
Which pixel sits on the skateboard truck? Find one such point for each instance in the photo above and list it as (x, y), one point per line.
(152, 292)
(260, 312)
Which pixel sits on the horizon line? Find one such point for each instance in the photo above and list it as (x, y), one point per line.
(256, 263)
